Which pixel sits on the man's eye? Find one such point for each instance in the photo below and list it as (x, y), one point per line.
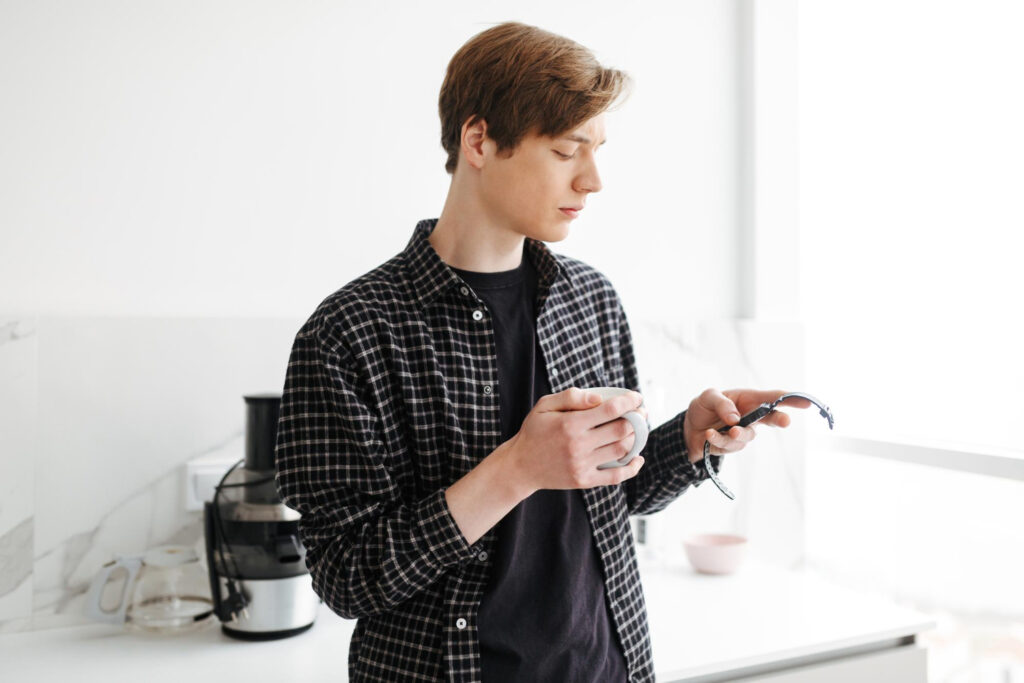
(565, 156)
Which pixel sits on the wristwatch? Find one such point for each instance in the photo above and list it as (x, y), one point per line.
(750, 418)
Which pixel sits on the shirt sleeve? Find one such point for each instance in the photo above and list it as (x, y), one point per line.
(667, 470)
(368, 548)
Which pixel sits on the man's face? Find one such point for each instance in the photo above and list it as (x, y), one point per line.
(528, 191)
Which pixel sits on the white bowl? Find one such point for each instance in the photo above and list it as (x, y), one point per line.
(715, 553)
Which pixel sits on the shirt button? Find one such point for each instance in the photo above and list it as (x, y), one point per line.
(487, 389)
(478, 315)
(464, 290)
(482, 556)
(460, 623)
(554, 372)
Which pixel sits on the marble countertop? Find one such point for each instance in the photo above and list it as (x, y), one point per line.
(700, 625)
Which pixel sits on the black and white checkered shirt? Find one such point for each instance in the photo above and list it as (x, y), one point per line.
(391, 396)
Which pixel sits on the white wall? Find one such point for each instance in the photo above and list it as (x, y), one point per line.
(248, 158)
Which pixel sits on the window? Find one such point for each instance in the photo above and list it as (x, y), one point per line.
(911, 153)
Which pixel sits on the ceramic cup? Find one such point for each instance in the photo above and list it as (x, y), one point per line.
(640, 427)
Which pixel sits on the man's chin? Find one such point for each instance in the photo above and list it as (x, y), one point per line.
(553, 233)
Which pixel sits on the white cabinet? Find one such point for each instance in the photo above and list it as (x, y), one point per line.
(906, 664)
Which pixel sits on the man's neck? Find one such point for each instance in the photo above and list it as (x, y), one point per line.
(466, 238)
(478, 247)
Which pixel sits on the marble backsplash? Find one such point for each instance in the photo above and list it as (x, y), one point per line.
(99, 415)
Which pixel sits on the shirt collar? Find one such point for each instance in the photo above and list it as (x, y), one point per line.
(430, 276)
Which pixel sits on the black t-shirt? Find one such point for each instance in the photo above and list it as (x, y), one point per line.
(543, 615)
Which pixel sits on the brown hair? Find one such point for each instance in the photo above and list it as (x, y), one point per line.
(521, 79)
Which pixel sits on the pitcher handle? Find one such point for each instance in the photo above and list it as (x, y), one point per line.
(93, 609)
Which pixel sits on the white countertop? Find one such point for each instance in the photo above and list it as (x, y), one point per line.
(700, 625)
(706, 624)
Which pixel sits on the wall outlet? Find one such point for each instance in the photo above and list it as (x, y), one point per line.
(202, 477)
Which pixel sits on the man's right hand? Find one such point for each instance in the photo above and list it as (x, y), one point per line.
(564, 438)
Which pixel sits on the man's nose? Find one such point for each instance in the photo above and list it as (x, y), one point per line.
(589, 180)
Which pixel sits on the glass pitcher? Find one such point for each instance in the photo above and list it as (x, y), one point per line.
(166, 591)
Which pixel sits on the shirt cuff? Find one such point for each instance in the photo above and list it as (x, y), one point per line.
(439, 530)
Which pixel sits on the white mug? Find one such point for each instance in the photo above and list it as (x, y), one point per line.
(639, 422)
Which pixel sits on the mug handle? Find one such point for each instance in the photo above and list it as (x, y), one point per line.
(641, 431)
(93, 609)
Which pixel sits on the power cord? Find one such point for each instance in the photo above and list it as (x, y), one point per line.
(236, 601)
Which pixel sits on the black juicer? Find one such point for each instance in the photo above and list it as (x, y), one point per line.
(260, 585)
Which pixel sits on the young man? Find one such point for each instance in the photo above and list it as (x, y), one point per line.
(432, 433)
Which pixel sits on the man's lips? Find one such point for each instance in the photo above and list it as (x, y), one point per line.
(571, 211)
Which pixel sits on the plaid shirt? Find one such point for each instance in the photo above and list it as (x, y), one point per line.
(391, 396)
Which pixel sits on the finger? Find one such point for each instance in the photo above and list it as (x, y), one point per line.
(734, 440)
(726, 448)
(612, 408)
(615, 448)
(754, 397)
(610, 433)
(716, 439)
(777, 419)
(713, 448)
(719, 405)
(621, 474)
(572, 398)
(634, 466)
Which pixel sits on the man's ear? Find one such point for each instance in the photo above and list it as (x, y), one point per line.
(474, 137)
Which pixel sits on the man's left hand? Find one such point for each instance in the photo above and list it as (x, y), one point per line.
(714, 409)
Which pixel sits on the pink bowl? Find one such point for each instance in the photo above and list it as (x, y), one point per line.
(715, 553)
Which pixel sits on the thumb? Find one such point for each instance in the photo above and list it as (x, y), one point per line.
(718, 405)
(572, 398)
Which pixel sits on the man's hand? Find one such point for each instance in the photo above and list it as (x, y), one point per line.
(714, 409)
(559, 446)
(564, 438)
